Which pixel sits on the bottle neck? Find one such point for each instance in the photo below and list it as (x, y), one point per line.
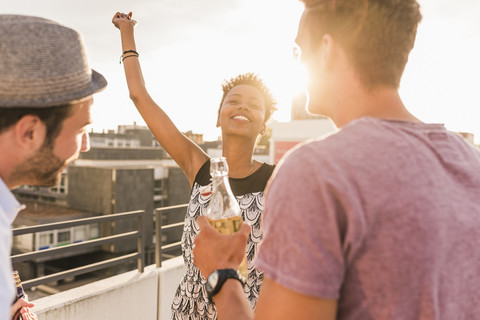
(220, 182)
(18, 285)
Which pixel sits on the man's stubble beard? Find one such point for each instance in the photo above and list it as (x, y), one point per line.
(42, 169)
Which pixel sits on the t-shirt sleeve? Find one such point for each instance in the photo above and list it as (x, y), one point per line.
(303, 222)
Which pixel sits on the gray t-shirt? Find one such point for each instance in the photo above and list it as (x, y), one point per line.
(383, 216)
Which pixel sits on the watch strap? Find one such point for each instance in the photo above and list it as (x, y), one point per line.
(224, 275)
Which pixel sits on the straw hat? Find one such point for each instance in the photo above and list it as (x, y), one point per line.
(43, 64)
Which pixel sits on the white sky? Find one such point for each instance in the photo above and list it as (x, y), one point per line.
(188, 47)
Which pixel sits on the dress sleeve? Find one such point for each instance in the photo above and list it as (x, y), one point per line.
(203, 175)
(302, 247)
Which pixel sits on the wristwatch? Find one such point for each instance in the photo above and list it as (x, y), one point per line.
(217, 278)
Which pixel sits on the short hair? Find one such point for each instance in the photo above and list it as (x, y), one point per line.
(377, 35)
(255, 81)
(52, 117)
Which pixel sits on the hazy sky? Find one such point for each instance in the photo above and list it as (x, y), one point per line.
(188, 47)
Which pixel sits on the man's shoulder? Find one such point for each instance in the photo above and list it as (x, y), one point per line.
(362, 142)
(346, 140)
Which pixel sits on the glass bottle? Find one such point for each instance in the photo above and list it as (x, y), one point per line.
(223, 211)
(28, 315)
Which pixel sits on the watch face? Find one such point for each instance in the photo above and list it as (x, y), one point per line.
(212, 281)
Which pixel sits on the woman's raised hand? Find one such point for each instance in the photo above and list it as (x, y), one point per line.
(122, 18)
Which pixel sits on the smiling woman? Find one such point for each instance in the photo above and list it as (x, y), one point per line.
(246, 106)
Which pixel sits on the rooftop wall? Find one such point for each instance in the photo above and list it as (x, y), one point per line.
(127, 296)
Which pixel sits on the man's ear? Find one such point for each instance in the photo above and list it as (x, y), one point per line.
(30, 132)
(331, 52)
(327, 50)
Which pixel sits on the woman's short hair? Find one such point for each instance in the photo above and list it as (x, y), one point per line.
(255, 81)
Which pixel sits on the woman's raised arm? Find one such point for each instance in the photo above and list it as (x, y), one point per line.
(189, 156)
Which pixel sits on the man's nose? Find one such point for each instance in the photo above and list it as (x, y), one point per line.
(85, 142)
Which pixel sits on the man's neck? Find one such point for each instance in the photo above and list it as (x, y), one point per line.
(383, 103)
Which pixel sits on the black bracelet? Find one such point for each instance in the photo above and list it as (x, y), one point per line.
(132, 55)
(128, 51)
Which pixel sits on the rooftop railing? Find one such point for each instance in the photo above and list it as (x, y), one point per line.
(138, 234)
(160, 249)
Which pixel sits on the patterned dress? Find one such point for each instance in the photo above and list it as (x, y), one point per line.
(190, 301)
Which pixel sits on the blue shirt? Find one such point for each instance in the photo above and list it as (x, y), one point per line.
(9, 207)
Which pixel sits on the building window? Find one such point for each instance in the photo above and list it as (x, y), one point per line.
(159, 184)
(158, 187)
(45, 240)
(93, 231)
(61, 187)
(63, 237)
(79, 234)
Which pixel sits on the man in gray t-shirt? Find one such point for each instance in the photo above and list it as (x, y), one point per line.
(383, 216)
(380, 220)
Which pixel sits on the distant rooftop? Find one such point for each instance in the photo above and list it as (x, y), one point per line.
(37, 210)
(127, 164)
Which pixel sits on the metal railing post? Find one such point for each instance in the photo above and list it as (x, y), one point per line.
(141, 242)
(158, 238)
